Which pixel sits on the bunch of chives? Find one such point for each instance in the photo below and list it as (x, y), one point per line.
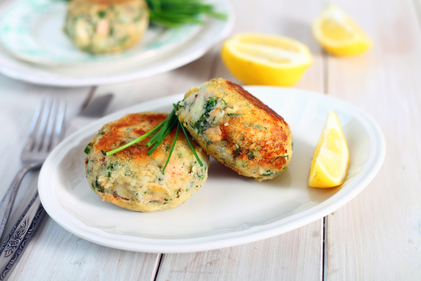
(173, 13)
(162, 130)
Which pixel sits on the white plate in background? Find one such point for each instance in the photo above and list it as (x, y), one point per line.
(32, 30)
(229, 209)
(117, 71)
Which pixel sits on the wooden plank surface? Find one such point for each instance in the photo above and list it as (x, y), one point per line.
(377, 236)
(19, 102)
(67, 256)
(275, 258)
(270, 259)
(54, 253)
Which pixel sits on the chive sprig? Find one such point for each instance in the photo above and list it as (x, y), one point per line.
(161, 132)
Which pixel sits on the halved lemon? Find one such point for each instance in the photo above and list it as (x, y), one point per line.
(330, 161)
(338, 33)
(258, 59)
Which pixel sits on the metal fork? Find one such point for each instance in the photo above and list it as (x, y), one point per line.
(46, 131)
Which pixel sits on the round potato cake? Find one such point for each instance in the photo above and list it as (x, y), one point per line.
(106, 26)
(133, 180)
(237, 129)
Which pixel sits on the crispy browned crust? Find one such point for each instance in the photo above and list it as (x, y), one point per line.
(134, 180)
(143, 122)
(258, 140)
(252, 99)
(273, 142)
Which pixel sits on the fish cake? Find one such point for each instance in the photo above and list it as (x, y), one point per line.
(106, 26)
(133, 180)
(237, 129)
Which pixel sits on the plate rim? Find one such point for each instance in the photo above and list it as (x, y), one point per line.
(229, 239)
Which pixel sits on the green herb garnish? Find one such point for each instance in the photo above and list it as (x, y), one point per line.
(234, 114)
(188, 140)
(142, 137)
(173, 13)
(172, 147)
(202, 123)
(88, 148)
(237, 151)
(284, 156)
(162, 130)
(101, 14)
(267, 174)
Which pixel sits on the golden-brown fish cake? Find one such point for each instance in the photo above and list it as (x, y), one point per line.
(106, 26)
(237, 129)
(133, 180)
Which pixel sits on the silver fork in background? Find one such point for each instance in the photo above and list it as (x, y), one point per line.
(46, 131)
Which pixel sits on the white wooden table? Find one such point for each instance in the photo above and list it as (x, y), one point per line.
(376, 236)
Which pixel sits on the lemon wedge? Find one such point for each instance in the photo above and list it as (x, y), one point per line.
(329, 165)
(258, 59)
(338, 33)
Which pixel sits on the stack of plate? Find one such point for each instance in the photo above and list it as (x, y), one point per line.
(34, 48)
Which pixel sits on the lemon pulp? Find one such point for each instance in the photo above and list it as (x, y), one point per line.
(338, 33)
(258, 59)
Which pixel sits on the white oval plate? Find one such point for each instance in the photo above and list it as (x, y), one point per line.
(121, 70)
(32, 30)
(229, 209)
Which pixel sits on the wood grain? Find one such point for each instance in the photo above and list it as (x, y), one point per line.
(65, 256)
(56, 254)
(377, 236)
(18, 102)
(275, 258)
(270, 259)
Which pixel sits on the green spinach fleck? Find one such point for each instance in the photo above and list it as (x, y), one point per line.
(268, 173)
(88, 148)
(101, 14)
(237, 151)
(235, 114)
(202, 123)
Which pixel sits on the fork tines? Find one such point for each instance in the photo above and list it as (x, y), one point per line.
(47, 127)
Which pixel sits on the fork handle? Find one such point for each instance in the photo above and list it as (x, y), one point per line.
(6, 204)
(17, 241)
